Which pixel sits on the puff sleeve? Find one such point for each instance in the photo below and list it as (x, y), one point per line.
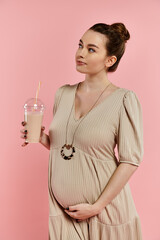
(57, 97)
(130, 130)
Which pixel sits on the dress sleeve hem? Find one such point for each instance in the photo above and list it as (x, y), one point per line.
(136, 164)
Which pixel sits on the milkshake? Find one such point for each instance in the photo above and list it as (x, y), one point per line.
(33, 116)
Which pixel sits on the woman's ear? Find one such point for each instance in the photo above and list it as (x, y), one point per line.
(110, 61)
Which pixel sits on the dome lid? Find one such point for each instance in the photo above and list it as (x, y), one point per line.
(31, 104)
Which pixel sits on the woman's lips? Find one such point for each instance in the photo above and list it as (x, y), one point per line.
(80, 63)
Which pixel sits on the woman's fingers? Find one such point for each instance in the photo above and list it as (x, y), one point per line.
(24, 144)
(24, 136)
(23, 123)
(43, 128)
(24, 131)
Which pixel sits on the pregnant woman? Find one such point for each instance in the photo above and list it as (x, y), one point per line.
(89, 193)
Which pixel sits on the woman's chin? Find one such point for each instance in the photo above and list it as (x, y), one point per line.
(81, 71)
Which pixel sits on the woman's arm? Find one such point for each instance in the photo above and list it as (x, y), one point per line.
(44, 140)
(118, 180)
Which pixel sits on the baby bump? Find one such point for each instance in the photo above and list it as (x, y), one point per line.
(71, 186)
(79, 180)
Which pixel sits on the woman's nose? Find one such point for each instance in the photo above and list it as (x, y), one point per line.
(82, 52)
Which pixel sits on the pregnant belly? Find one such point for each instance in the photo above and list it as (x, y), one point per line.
(79, 180)
(71, 189)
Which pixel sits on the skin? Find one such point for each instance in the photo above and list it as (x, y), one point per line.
(97, 62)
(96, 79)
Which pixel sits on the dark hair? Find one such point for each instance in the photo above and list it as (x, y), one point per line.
(117, 35)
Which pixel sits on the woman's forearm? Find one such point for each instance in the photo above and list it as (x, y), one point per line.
(45, 141)
(118, 180)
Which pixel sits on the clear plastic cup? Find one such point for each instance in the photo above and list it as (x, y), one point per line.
(33, 116)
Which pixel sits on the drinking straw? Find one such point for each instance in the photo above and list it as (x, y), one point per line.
(37, 92)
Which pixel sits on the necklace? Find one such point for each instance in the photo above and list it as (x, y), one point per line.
(70, 146)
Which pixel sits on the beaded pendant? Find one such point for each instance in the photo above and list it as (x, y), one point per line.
(68, 147)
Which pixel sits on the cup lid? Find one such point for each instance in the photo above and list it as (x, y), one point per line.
(33, 104)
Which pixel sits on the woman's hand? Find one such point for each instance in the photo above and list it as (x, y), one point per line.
(81, 211)
(24, 136)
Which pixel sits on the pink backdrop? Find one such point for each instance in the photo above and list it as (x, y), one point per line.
(38, 43)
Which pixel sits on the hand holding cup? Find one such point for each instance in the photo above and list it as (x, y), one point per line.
(24, 131)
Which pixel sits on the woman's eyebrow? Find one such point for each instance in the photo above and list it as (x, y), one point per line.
(90, 44)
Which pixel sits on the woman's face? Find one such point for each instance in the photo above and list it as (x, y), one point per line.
(94, 57)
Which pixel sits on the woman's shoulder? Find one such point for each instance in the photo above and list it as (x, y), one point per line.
(130, 99)
(68, 86)
(127, 92)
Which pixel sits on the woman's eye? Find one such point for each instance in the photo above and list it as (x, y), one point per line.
(92, 49)
(89, 48)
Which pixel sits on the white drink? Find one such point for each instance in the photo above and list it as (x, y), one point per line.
(33, 126)
(33, 116)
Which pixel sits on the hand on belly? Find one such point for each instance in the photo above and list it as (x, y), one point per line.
(81, 211)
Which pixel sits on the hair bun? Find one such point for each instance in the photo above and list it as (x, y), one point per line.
(121, 30)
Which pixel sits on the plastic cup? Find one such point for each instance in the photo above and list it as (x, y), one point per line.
(33, 116)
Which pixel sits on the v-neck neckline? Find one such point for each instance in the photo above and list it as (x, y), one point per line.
(73, 112)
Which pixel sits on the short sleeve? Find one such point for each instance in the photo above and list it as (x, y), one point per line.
(57, 97)
(130, 131)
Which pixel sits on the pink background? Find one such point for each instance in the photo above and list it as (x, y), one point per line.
(38, 43)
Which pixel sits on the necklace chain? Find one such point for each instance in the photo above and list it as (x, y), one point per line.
(85, 114)
(67, 145)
